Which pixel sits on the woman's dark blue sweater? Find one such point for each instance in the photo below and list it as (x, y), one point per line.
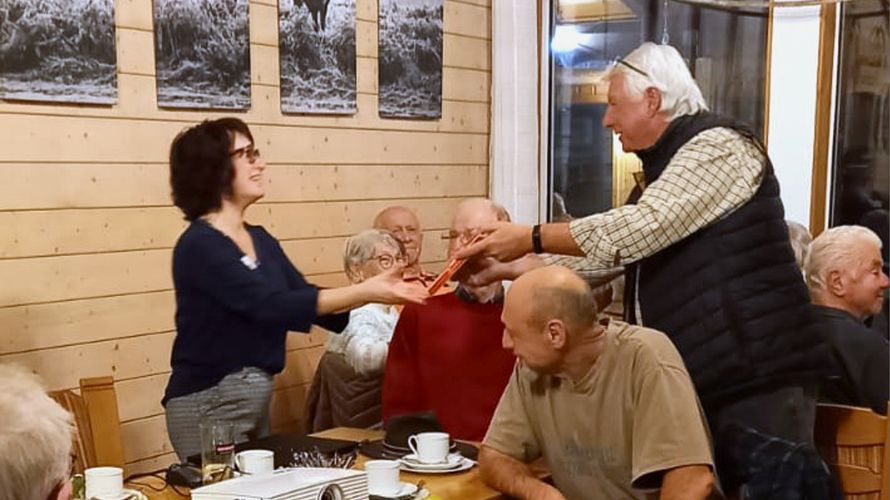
(229, 314)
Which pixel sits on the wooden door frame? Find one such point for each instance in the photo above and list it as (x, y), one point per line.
(824, 123)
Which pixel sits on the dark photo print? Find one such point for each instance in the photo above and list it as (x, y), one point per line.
(58, 50)
(410, 58)
(202, 53)
(317, 56)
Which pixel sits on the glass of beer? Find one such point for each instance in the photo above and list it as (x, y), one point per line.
(217, 451)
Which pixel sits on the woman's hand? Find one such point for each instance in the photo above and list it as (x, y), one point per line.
(388, 287)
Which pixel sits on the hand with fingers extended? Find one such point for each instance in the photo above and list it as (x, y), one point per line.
(389, 287)
(503, 241)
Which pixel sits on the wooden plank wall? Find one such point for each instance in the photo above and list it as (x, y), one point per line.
(88, 226)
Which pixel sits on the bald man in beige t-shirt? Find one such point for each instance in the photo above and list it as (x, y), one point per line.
(611, 408)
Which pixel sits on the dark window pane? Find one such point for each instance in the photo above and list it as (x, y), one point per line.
(861, 174)
(585, 177)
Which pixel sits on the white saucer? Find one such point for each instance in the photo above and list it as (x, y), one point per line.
(406, 489)
(125, 493)
(452, 461)
(464, 464)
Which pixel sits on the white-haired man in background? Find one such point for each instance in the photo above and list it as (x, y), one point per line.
(35, 440)
(844, 271)
(403, 223)
(707, 255)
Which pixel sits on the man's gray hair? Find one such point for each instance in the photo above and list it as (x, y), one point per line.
(835, 250)
(360, 248)
(800, 241)
(667, 72)
(35, 437)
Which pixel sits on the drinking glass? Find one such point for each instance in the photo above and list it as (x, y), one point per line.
(217, 451)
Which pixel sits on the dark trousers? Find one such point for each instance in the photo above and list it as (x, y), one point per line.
(787, 412)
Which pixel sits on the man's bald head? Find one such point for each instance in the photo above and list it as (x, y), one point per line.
(403, 223)
(480, 206)
(547, 312)
(393, 215)
(470, 215)
(555, 292)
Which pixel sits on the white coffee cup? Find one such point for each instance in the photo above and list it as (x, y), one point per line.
(255, 461)
(383, 477)
(430, 447)
(104, 481)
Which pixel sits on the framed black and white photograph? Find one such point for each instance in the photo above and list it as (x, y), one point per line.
(202, 53)
(410, 58)
(58, 51)
(317, 56)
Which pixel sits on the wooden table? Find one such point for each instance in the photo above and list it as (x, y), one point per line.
(465, 485)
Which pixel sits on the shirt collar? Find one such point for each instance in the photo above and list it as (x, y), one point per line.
(467, 296)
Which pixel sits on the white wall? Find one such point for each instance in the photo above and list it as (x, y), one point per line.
(792, 114)
(514, 121)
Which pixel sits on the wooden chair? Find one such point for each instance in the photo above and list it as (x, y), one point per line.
(98, 438)
(855, 442)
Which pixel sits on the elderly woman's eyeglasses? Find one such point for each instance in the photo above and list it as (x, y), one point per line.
(248, 151)
(622, 62)
(387, 261)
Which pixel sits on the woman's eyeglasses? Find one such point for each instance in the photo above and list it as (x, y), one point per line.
(248, 151)
(387, 261)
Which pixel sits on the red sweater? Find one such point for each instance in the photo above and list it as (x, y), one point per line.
(446, 356)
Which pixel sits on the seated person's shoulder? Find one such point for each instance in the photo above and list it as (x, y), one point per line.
(841, 328)
(646, 343)
(369, 312)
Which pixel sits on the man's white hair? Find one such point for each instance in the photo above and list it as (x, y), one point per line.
(665, 71)
(35, 437)
(800, 241)
(835, 250)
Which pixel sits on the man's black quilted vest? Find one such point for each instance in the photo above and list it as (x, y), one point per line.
(730, 296)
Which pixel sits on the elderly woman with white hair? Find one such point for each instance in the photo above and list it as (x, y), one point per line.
(35, 439)
(844, 271)
(346, 390)
(707, 255)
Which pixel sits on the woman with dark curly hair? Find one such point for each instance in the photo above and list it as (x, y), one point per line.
(237, 293)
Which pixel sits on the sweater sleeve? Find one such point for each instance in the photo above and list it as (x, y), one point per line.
(367, 340)
(402, 389)
(333, 322)
(203, 262)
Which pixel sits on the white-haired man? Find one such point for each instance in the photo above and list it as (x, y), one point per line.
(35, 439)
(847, 282)
(706, 248)
(404, 224)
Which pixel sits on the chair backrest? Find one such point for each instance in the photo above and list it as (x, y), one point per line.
(98, 438)
(854, 443)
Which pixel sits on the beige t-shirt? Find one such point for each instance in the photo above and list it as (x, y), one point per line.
(633, 416)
